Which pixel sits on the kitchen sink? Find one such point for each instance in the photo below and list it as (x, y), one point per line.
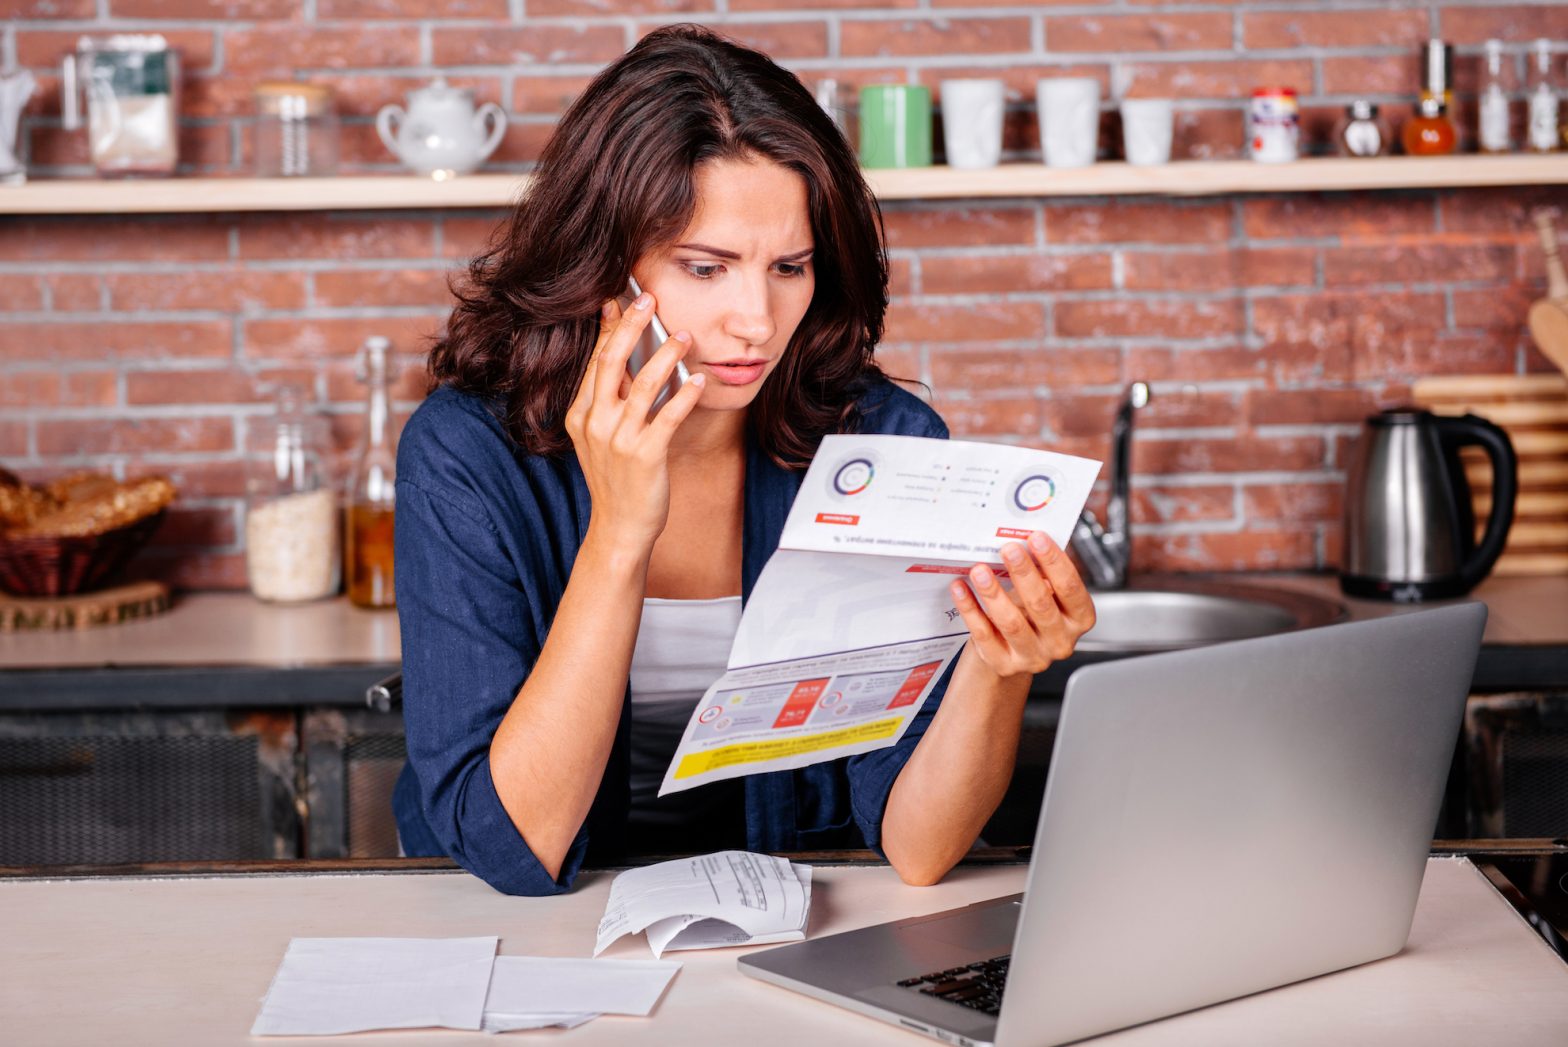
(1162, 614)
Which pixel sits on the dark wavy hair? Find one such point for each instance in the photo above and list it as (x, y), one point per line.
(615, 181)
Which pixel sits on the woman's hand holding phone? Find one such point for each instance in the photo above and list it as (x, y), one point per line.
(621, 442)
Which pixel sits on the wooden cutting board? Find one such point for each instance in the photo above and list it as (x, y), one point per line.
(1534, 411)
(104, 607)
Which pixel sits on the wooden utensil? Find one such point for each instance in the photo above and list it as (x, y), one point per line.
(1549, 316)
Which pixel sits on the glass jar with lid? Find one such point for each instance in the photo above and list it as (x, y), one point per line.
(296, 130)
(291, 513)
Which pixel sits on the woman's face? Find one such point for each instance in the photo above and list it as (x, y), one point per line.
(739, 278)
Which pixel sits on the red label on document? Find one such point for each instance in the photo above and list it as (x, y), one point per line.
(913, 684)
(1013, 532)
(801, 699)
(838, 518)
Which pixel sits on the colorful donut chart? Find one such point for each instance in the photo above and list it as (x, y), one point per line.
(1034, 493)
(853, 476)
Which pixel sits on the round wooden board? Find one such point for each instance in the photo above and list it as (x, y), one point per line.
(104, 607)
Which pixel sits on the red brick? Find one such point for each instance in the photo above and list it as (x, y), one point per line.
(522, 143)
(1210, 79)
(1077, 414)
(1299, 502)
(21, 9)
(959, 226)
(419, 9)
(410, 382)
(546, 93)
(983, 370)
(197, 527)
(21, 294)
(1019, 78)
(901, 277)
(43, 48)
(1350, 328)
(1349, 216)
(858, 5)
(779, 40)
(230, 291)
(902, 364)
(1120, 34)
(1369, 27)
(206, 149)
(464, 236)
(1365, 75)
(184, 238)
(964, 323)
(337, 236)
(120, 340)
(1274, 550)
(322, 338)
(75, 292)
(1116, 222)
(533, 45)
(1498, 212)
(367, 287)
(59, 389)
(213, 10)
(1000, 274)
(363, 94)
(191, 570)
(211, 387)
(1240, 454)
(221, 478)
(1311, 406)
(1219, 269)
(934, 36)
(1474, 25)
(602, 8)
(1162, 504)
(1164, 364)
(13, 439)
(1149, 318)
(83, 436)
(281, 49)
(1208, 134)
(218, 95)
(1417, 262)
(1498, 308)
(1421, 353)
(1015, 416)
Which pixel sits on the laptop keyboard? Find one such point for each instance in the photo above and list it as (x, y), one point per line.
(978, 986)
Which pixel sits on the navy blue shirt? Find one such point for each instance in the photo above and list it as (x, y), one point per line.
(486, 536)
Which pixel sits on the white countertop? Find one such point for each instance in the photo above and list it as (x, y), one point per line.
(166, 961)
(236, 629)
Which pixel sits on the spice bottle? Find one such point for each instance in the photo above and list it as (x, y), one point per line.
(291, 532)
(1543, 102)
(1361, 132)
(1437, 67)
(370, 501)
(1429, 132)
(1493, 129)
(296, 130)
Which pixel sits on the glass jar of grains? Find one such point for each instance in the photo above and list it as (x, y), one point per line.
(291, 516)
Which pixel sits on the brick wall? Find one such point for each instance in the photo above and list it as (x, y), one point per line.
(1269, 326)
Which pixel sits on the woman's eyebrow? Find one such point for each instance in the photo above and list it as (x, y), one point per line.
(719, 252)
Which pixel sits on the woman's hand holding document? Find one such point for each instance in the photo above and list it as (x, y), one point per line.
(712, 900)
(852, 622)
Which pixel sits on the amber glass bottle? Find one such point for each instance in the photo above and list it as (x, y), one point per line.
(369, 504)
(1429, 132)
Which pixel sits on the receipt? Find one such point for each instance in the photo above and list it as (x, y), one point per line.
(713, 900)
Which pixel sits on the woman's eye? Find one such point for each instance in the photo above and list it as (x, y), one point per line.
(702, 272)
(791, 269)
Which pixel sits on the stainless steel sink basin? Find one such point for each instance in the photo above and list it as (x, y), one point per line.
(1165, 614)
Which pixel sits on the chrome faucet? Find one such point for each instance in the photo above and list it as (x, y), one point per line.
(1105, 550)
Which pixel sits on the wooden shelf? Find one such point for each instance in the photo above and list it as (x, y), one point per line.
(1185, 178)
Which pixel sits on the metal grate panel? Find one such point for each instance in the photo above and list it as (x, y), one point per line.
(1535, 781)
(372, 763)
(105, 799)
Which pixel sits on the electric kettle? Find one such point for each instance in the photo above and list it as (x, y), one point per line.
(1409, 525)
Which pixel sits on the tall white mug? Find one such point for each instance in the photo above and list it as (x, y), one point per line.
(1146, 130)
(1069, 120)
(972, 122)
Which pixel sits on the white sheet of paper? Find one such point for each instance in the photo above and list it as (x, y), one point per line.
(495, 1022)
(701, 932)
(757, 894)
(824, 663)
(327, 986)
(539, 985)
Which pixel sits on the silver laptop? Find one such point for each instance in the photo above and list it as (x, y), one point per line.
(1216, 822)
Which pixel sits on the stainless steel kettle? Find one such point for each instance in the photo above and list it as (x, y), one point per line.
(1409, 525)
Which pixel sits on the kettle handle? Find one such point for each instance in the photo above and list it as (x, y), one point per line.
(386, 118)
(1472, 430)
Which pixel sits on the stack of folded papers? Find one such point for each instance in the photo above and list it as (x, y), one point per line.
(727, 898)
(326, 986)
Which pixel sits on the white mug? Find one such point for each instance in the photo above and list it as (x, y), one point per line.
(972, 122)
(1069, 120)
(1146, 130)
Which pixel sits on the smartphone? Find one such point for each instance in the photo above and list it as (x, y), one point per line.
(644, 351)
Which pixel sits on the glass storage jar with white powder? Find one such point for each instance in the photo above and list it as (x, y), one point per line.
(291, 514)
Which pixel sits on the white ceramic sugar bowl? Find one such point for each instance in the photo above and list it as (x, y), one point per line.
(441, 133)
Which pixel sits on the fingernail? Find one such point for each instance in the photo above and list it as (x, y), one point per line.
(1040, 541)
(607, 310)
(683, 337)
(644, 300)
(981, 575)
(699, 380)
(1012, 552)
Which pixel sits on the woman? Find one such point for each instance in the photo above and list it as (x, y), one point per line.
(551, 654)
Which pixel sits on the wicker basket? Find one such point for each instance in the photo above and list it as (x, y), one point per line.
(65, 566)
